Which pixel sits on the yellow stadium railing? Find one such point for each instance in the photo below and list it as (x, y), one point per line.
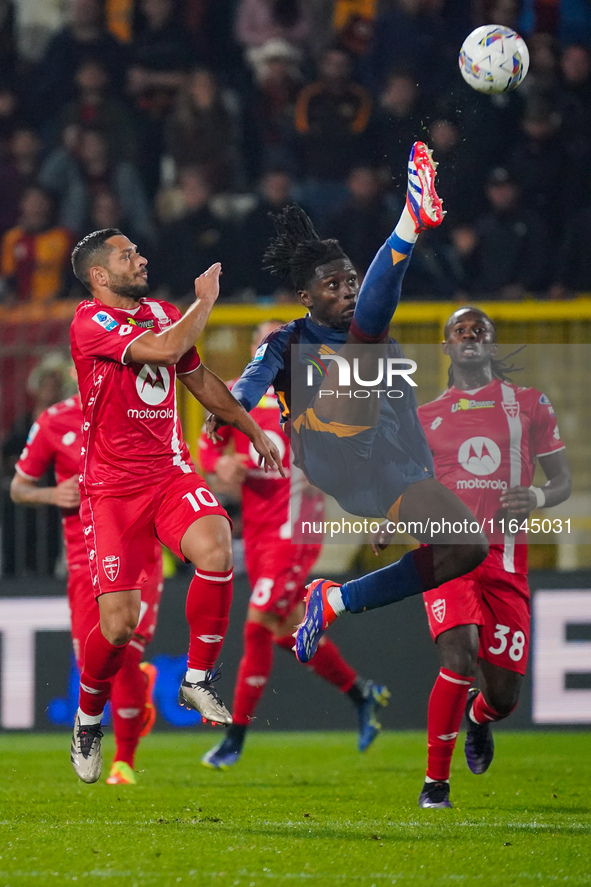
(225, 347)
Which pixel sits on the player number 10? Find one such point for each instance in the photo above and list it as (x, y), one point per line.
(516, 648)
(205, 497)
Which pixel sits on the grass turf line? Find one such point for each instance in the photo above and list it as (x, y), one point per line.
(297, 809)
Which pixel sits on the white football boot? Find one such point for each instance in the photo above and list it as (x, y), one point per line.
(204, 698)
(85, 751)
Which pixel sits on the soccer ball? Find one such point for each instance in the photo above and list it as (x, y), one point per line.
(493, 59)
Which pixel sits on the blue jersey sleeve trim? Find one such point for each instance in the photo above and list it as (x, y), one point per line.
(262, 370)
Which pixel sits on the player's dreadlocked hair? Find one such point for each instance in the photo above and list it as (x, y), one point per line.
(500, 366)
(297, 250)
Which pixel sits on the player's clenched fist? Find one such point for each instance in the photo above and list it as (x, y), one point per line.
(270, 457)
(207, 285)
(519, 501)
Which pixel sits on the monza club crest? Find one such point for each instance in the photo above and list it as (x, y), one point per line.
(437, 608)
(111, 566)
(511, 409)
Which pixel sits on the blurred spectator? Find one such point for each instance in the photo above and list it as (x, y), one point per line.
(462, 255)
(257, 229)
(461, 173)
(513, 250)
(353, 22)
(25, 153)
(160, 52)
(31, 540)
(76, 177)
(204, 130)
(576, 73)
(119, 19)
(35, 259)
(331, 120)
(572, 274)
(269, 119)
(538, 162)
(574, 101)
(18, 169)
(365, 220)
(430, 275)
(542, 77)
(10, 115)
(148, 117)
(95, 105)
(182, 56)
(210, 27)
(399, 120)
(411, 35)
(105, 212)
(84, 37)
(258, 21)
(192, 243)
(501, 12)
(489, 124)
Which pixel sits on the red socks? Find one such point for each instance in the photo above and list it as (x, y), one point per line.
(446, 708)
(128, 698)
(257, 662)
(253, 673)
(102, 661)
(483, 712)
(327, 663)
(208, 605)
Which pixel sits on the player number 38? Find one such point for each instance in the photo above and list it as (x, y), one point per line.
(502, 633)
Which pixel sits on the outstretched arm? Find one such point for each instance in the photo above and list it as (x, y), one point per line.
(379, 294)
(210, 391)
(167, 348)
(256, 378)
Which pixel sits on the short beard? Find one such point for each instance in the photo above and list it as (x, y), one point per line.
(122, 287)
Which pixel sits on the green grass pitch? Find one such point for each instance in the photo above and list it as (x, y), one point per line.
(298, 809)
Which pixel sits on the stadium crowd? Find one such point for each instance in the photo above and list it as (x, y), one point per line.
(186, 121)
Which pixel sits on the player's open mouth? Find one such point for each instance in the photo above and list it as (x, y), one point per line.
(469, 349)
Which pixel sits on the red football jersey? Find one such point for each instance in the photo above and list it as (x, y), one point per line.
(131, 429)
(485, 442)
(55, 439)
(266, 496)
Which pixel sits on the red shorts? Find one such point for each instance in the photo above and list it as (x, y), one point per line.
(120, 528)
(84, 611)
(277, 574)
(495, 600)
